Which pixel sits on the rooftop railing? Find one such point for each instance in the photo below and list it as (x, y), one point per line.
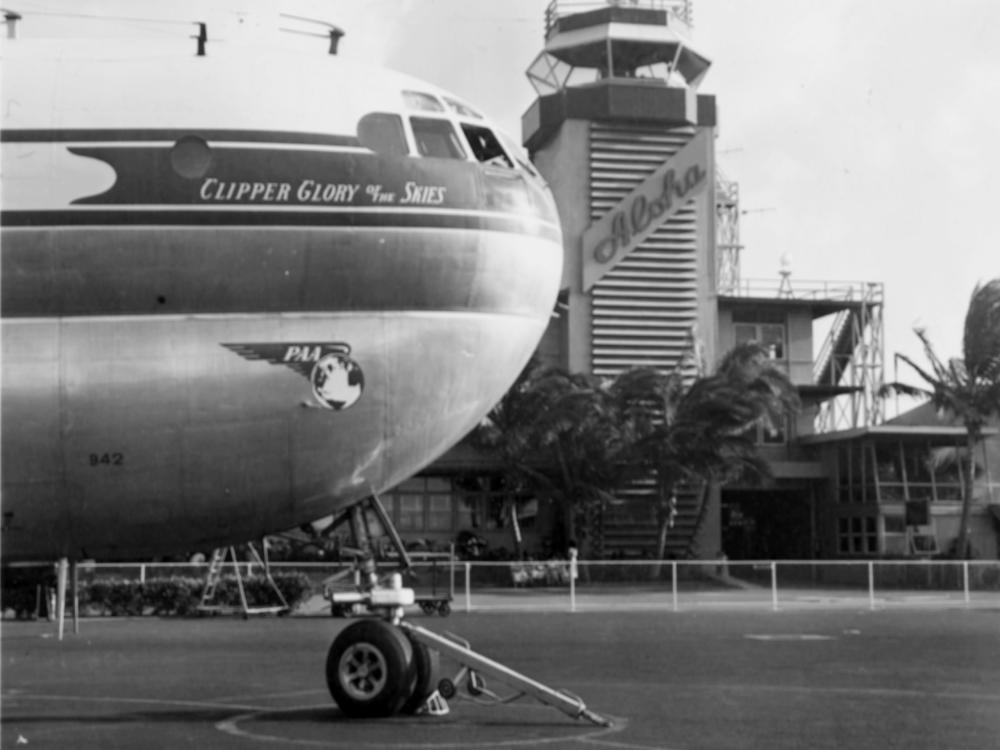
(805, 289)
(680, 10)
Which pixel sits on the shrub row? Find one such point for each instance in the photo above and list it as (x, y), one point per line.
(173, 596)
(181, 595)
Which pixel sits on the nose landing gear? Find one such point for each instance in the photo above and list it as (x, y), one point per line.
(370, 669)
(381, 666)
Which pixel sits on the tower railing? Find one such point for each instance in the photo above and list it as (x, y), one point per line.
(799, 289)
(679, 9)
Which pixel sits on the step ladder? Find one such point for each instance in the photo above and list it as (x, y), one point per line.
(216, 568)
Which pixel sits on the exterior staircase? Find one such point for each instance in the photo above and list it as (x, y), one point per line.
(629, 529)
(851, 358)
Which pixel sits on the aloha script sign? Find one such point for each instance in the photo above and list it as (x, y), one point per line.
(638, 215)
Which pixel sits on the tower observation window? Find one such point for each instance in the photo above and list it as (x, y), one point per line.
(436, 138)
(485, 146)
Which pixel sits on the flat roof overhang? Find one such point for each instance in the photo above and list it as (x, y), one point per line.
(821, 392)
(615, 99)
(816, 307)
(942, 434)
(609, 14)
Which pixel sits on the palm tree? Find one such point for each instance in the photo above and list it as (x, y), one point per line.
(559, 435)
(577, 438)
(707, 430)
(967, 388)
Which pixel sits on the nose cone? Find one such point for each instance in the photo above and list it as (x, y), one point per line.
(451, 368)
(431, 375)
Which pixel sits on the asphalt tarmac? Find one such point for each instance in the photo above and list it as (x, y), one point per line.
(689, 680)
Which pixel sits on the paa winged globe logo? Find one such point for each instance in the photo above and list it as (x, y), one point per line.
(337, 380)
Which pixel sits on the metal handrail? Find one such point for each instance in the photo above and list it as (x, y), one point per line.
(680, 9)
(806, 289)
(871, 294)
(971, 582)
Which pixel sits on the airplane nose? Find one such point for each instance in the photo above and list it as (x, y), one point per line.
(430, 375)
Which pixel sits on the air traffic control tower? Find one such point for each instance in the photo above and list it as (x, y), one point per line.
(626, 143)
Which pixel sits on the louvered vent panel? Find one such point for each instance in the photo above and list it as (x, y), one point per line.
(643, 309)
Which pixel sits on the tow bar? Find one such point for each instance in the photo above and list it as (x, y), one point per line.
(474, 666)
(349, 661)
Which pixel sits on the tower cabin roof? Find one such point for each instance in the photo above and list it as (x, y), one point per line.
(618, 40)
(618, 62)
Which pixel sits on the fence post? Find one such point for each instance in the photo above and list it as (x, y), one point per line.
(572, 578)
(965, 579)
(871, 584)
(451, 566)
(774, 586)
(673, 581)
(62, 568)
(142, 573)
(468, 587)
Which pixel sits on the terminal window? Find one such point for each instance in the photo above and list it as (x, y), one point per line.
(857, 535)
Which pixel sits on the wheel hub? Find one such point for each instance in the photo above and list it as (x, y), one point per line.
(363, 671)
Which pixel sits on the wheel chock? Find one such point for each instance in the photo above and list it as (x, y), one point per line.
(435, 705)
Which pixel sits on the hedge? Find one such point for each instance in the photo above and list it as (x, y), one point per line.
(173, 596)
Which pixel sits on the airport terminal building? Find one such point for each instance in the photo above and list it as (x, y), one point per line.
(626, 140)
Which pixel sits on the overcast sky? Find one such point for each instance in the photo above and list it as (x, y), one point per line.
(860, 132)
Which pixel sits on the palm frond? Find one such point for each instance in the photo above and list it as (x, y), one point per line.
(932, 379)
(940, 370)
(981, 338)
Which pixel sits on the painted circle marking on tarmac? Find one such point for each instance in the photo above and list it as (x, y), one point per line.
(231, 726)
(589, 735)
(788, 637)
(12, 695)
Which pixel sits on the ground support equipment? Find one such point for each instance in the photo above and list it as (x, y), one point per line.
(474, 666)
(431, 601)
(431, 604)
(382, 666)
(216, 568)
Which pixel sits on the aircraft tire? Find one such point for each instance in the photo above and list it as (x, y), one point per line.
(427, 662)
(370, 669)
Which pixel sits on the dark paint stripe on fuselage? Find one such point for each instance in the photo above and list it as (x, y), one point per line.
(260, 216)
(105, 135)
(262, 226)
(277, 171)
(188, 270)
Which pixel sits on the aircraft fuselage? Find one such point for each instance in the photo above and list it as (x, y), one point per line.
(240, 292)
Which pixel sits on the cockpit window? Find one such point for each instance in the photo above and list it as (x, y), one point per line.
(485, 146)
(420, 101)
(382, 132)
(460, 108)
(436, 138)
(518, 154)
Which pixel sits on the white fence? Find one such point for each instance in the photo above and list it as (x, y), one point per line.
(668, 584)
